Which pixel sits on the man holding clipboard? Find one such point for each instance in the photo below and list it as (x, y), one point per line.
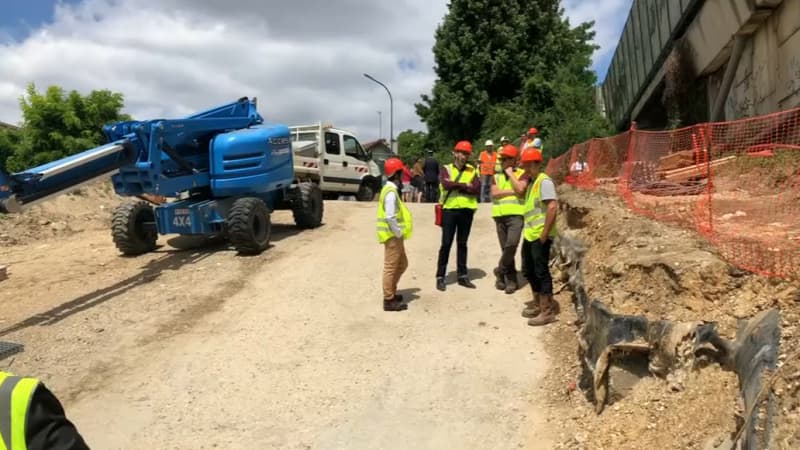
(459, 186)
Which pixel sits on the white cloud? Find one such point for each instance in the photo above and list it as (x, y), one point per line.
(304, 59)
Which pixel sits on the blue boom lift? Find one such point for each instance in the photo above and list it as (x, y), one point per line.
(224, 169)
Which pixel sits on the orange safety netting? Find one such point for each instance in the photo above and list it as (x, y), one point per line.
(737, 183)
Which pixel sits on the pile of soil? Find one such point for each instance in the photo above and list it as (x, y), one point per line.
(86, 208)
(638, 266)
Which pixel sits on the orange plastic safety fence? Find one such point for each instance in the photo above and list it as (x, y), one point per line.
(737, 183)
(753, 210)
(664, 172)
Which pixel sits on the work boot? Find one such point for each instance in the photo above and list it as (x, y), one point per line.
(398, 298)
(534, 307)
(547, 314)
(499, 283)
(511, 284)
(464, 281)
(440, 284)
(394, 305)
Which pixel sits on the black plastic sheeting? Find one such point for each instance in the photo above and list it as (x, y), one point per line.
(9, 349)
(605, 337)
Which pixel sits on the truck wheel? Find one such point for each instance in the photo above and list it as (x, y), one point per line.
(307, 206)
(133, 228)
(365, 193)
(249, 227)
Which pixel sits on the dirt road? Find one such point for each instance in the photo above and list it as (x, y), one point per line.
(199, 348)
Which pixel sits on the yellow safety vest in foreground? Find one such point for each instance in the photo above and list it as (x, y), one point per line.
(403, 217)
(535, 214)
(459, 200)
(510, 205)
(15, 399)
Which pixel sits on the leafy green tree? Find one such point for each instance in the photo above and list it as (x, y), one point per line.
(573, 117)
(58, 124)
(9, 141)
(504, 65)
(411, 145)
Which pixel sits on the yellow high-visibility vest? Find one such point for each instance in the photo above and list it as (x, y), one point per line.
(509, 205)
(15, 398)
(459, 200)
(403, 217)
(535, 214)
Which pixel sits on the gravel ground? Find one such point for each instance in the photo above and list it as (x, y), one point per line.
(197, 347)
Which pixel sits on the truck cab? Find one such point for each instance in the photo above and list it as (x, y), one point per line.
(344, 167)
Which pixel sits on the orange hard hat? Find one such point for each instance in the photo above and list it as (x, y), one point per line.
(392, 166)
(531, 155)
(533, 130)
(509, 151)
(464, 146)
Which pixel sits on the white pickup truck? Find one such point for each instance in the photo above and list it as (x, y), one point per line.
(336, 160)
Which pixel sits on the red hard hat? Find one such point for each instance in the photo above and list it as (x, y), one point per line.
(391, 166)
(464, 146)
(509, 151)
(531, 155)
(533, 130)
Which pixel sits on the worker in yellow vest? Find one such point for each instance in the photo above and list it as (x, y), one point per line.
(394, 227)
(508, 207)
(459, 186)
(32, 418)
(541, 208)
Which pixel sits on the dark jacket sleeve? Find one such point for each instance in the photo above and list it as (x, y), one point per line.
(47, 425)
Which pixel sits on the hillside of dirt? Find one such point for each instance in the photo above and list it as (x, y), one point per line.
(640, 267)
(87, 208)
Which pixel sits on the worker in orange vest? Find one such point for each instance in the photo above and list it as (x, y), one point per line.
(488, 159)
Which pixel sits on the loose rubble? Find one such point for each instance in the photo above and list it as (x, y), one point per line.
(678, 315)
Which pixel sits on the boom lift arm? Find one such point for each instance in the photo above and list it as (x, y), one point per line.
(157, 157)
(225, 168)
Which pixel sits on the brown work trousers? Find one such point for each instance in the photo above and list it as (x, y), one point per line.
(395, 264)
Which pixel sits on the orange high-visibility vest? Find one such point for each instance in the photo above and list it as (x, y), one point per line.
(488, 162)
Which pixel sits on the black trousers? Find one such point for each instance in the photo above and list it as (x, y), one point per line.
(536, 263)
(455, 223)
(431, 192)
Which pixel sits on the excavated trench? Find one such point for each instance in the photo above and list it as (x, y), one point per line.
(649, 301)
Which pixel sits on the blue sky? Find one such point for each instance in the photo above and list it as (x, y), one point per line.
(20, 17)
(152, 50)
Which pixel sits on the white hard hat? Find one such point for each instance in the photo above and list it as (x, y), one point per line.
(537, 143)
(503, 139)
(489, 142)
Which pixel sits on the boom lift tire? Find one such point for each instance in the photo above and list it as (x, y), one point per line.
(365, 193)
(249, 226)
(307, 205)
(133, 228)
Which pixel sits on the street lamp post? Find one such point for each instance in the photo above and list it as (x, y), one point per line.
(380, 125)
(391, 112)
